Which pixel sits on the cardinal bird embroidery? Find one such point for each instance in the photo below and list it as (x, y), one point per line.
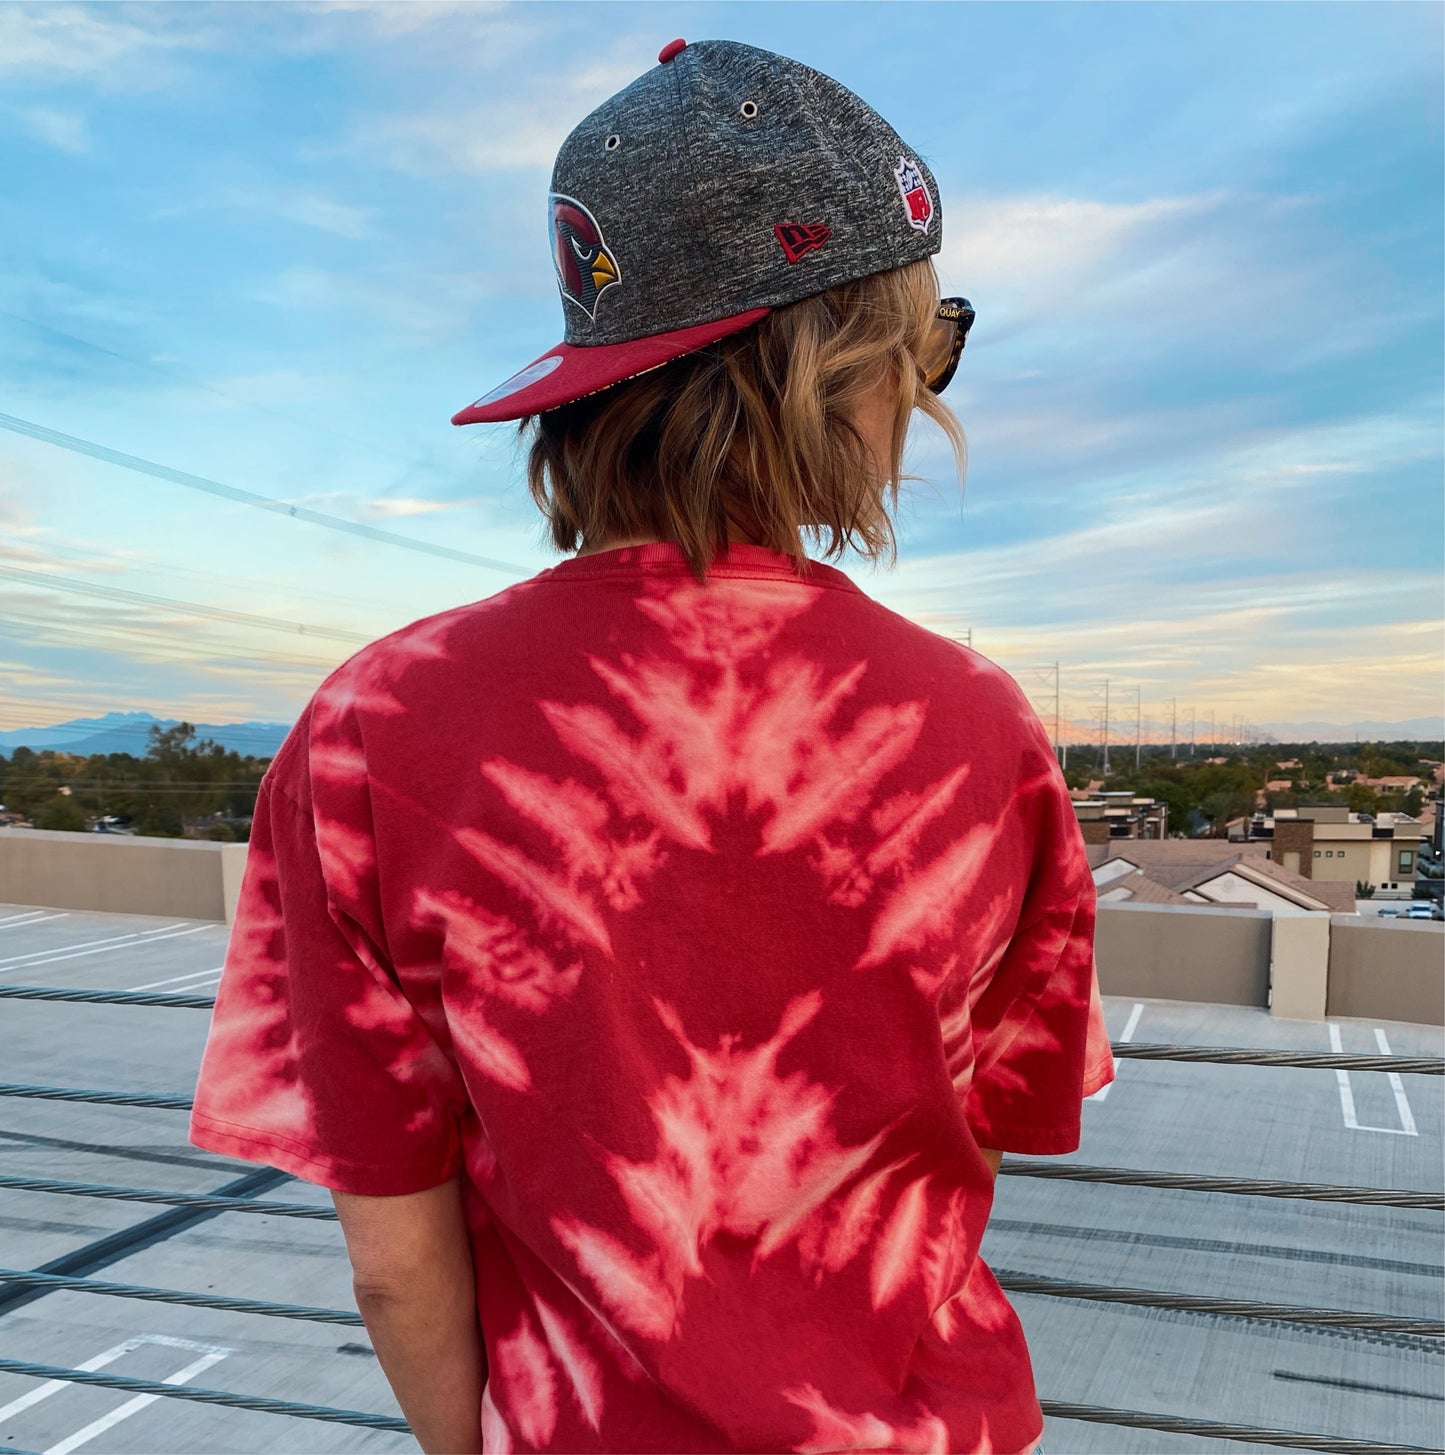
(586, 267)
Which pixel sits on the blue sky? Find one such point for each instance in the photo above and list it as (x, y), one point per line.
(276, 246)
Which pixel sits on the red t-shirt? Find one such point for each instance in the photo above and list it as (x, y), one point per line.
(708, 932)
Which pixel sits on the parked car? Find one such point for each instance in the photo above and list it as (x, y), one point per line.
(1423, 909)
(1388, 911)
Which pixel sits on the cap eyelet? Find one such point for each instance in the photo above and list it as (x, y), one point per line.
(613, 142)
(749, 109)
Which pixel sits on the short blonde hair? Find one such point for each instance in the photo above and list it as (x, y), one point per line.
(752, 435)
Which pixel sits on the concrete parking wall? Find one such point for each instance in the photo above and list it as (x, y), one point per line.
(113, 872)
(1387, 969)
(1173, 952)
(1317, 965)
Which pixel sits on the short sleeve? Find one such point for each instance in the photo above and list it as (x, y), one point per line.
(316, 1061)
(1040, 1044)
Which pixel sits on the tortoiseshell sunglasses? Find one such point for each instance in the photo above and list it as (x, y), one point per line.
(944, 345)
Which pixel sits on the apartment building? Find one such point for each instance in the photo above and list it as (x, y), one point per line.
(1121, 815)
(1331, 843)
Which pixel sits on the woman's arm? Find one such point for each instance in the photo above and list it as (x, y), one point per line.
(411, 1265)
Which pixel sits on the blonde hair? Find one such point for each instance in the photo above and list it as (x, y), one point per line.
(752, 437)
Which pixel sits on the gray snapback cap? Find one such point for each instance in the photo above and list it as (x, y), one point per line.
(723, 183)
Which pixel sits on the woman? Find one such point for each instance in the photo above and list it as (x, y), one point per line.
(656, 957)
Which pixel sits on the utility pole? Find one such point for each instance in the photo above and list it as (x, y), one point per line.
(1058, 752)
(1173, 725)
(1106, 727)
(1211, 728)
(1138, 723)
(1191, 732)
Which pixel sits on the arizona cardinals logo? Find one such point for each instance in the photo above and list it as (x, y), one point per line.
(585, 265)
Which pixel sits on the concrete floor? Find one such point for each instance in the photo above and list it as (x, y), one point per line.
(1242, 1121)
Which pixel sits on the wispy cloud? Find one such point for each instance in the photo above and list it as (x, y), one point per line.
(522, 128)
(399, 505)
(1202, 397)
(66, 131)
(115, 46)
(416, 310)
(1031, 243)
(306, 206)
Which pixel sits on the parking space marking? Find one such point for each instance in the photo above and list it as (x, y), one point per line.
(194, 975)
(1128, 1035)
(1347, 1096)
(97, 947)
(132, 1406)
(30, 917)
(1407, 1121)
(99, 1361)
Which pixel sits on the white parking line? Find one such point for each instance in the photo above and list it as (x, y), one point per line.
(1128, 1035)
(83, 944)
(131, 1406)
(96, 947)
(194, 975)
(30, 917)
(54, 1386)
(1347, 1096)
(109, 1356)
(1407, 1122)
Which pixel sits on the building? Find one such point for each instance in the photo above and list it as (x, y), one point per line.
(1120, 815)
(1209, 872)
(1329, 843)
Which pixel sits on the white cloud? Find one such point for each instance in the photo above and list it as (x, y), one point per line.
(389, 19)
(1175, 578)
(304, 205)
(1022, 244)
(510, 129)
(64, 130)
(390, 507)
(279, 387)
(1236, 276)
(103, 42)
(417, 311)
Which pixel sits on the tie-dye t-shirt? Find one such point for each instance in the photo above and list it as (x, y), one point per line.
(708, 932)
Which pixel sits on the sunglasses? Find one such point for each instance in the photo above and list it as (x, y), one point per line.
(944, 344)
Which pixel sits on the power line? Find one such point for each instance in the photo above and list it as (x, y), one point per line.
(140, 598)
(248, 497)
(194, 648)
(192, 382)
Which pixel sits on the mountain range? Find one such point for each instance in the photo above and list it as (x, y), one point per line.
(129, 732)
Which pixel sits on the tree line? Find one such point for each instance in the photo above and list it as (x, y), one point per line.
(183, 788)
(180, 788)
(1204, 796)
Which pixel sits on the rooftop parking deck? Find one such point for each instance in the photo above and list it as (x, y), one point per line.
(1307, 1125)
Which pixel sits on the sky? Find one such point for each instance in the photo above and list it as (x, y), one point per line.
(256, 256)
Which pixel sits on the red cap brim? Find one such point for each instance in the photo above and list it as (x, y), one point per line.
(571, 371)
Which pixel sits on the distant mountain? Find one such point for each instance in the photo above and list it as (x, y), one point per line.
(129, 732)
(1347, 732)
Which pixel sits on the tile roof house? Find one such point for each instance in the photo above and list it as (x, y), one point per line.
(1212, 872)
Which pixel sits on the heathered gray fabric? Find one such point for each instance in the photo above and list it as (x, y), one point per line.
(688, 198)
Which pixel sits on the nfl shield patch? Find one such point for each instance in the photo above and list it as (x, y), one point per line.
(914, 192)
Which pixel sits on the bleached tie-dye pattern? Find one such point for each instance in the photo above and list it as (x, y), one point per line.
(710, 931)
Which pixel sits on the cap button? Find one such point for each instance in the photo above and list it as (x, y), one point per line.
(671, 49)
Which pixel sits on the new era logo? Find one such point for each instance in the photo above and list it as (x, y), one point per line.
(800, 238)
